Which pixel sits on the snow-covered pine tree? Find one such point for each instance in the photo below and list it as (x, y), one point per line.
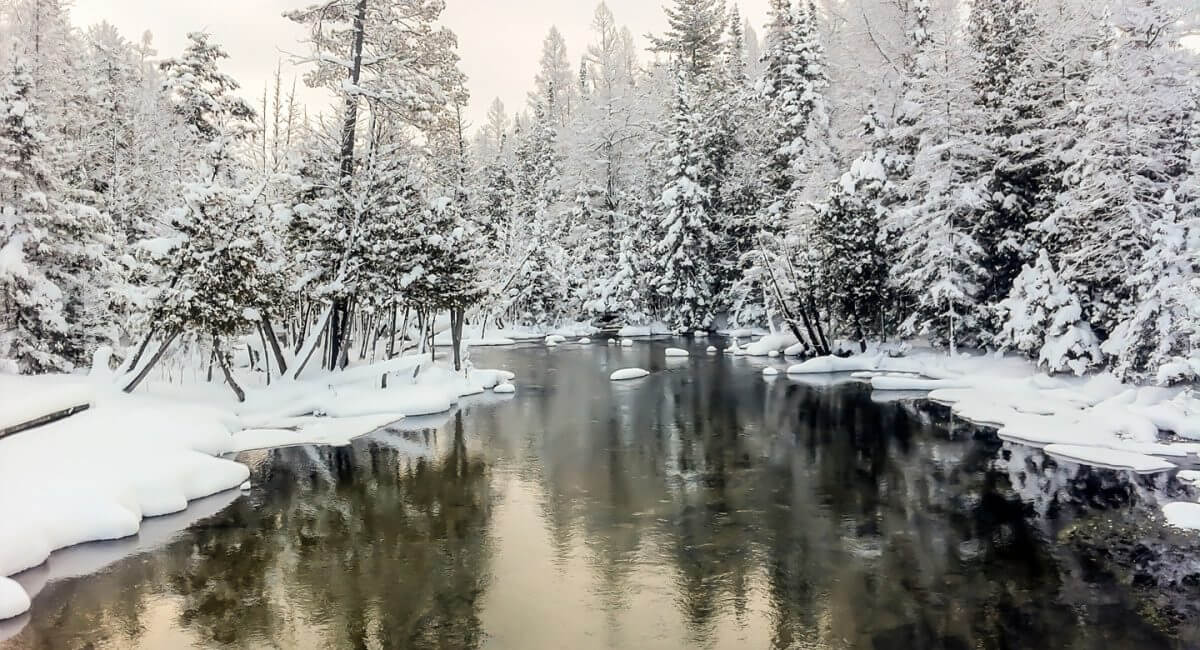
(539, 292)
(1130, 153)
(55, 270)
(849, 224)
(1041, 317)
(1014, 96)
(557, 83)
(687, 281)
(394, 55)
(696, 28)
(203, 96)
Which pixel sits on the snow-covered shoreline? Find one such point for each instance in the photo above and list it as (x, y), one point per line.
(98, 474)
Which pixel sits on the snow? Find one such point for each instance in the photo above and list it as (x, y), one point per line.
(628, 373)
(505, 389)
(245, 487)
(13, 599)
(1109, 458)
(555, 339)
(677, 352)
(712, 349)
(50, 399)
(332, 431)
(770, 371)
(653, 329)
(101, 471)
(1183, 514)
(770, 343)
(584, 341)
(626, 343)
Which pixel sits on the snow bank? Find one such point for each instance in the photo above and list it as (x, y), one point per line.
(13, 599)
(335, 432)
(628, 373)
(677, 352)
(770, 343)
(1110, 458)
(653, 329)
(1183, 514)
(98, 473)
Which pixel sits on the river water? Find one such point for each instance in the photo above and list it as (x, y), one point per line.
(701, 507)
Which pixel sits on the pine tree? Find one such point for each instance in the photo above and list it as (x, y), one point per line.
(694, 37)
(687, 281)
(856, 259)
(203, 95)
(556, 84)
(54, 265)
(1041, 318)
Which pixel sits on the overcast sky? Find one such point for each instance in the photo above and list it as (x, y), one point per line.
(500, 41)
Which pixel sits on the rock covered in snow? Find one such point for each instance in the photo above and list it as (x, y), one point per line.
(555, 339)
(584, 341)
(13, 599)
(770, 371)
(677, 352)
(1183, 514)
(245, 487)
(712, 349)
(628, 373)
(773, 353)
(626, 343)
(505, 389)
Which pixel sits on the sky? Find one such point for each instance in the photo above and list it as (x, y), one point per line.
(500, 41)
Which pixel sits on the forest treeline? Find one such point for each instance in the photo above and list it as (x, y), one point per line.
(1015, 175)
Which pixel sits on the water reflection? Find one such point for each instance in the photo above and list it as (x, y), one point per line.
(701, 507)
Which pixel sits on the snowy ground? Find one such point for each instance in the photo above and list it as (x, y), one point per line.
(97, 474)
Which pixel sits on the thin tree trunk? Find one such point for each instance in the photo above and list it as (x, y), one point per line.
(262, 335)
(137, 356)
(280, 362)
(223, 361)
(311, 345)
(456, 329)
(154, 359)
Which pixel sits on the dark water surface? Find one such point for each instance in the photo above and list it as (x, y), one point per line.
(702, 507)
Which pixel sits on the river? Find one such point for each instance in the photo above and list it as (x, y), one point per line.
(702, 507)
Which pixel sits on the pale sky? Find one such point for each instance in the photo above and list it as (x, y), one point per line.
(500, 41)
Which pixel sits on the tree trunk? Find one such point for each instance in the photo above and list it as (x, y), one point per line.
(280, 362)
(137, 356)
(338, 325)
(312, 344)
(155, 358)
(262, 335)
(223, 361)
(456, 329)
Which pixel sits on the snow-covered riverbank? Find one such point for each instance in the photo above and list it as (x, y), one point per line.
(95, 475)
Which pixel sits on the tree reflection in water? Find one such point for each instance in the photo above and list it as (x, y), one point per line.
(700, 507)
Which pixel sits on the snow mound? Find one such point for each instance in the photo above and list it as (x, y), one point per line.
(712, 349)
(626, 343)
(1183, 514)
(505, 389)
(1109, 458)
(13, 599)
(555, 339)
(244, 487)
(628, 373)
(770, 371)
(101, 471)
(770, 343)
(584, 341)
(677, 352)
(773, 354)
